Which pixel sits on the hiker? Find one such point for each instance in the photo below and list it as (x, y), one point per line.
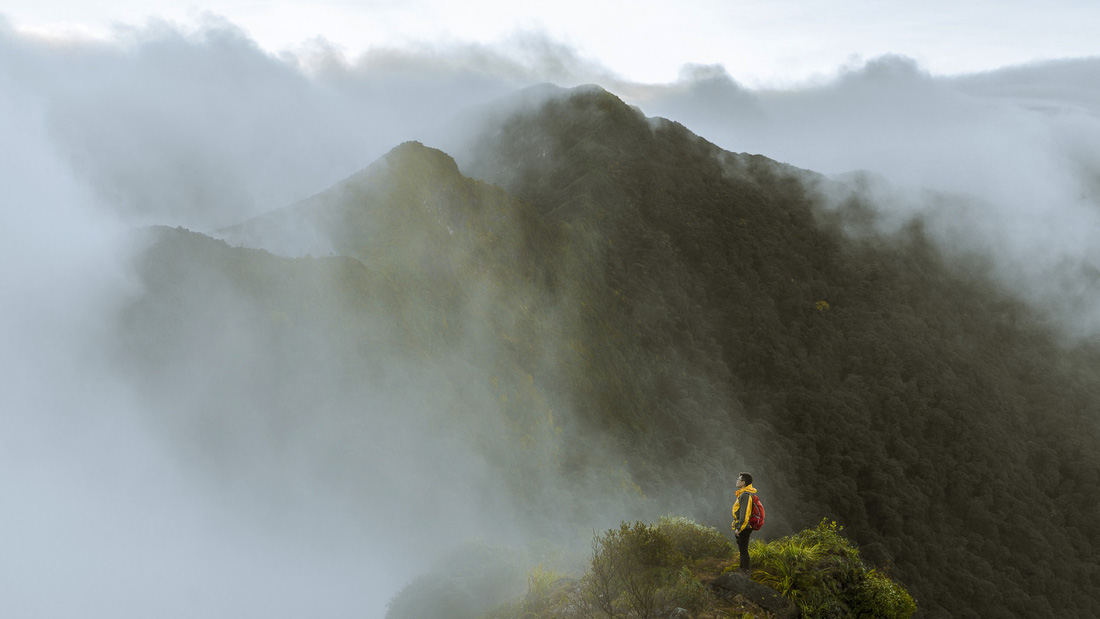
(742, 511)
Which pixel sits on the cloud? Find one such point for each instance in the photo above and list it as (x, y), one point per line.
(1017, 147)
(122, 504)
(198, 126)
(103, 517)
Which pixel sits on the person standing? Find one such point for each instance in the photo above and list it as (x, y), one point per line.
(742, 511)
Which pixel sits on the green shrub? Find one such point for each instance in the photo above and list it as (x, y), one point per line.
(693, 540)
(640, 570)
(632, 569)
(822, 573)
(635, 570)
(882, 597)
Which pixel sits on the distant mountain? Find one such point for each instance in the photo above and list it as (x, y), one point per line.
(617, 318)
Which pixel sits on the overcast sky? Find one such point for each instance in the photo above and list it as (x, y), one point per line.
(760, 42)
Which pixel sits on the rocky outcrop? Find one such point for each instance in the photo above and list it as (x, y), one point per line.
(732, 584)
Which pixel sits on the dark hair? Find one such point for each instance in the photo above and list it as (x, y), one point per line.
(746, 477)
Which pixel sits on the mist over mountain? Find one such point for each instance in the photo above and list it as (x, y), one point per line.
(585, 316)
(200, 127)
(1013, 145)
(890, 385)
(633, 319)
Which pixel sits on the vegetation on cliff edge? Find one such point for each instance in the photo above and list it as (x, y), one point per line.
(640, 570)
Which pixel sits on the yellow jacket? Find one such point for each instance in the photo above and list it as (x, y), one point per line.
(742, 508)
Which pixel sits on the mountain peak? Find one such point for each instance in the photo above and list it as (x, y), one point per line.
(416, 155)
(412, 195)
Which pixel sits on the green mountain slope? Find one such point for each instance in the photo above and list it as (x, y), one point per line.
(434, 352)
(625, 319)
(872, 379)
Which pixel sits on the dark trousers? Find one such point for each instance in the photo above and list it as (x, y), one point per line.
(743, 546)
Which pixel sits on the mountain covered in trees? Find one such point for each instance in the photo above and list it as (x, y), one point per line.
(594, 316)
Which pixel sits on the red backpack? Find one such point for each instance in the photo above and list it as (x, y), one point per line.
(756, 518)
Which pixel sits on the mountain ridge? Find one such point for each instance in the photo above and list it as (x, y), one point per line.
(810, 288)
(656, 311)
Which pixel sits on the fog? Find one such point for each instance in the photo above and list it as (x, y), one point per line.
(197, 126)
(101, 517)
(114, 506)
(137, 496)
(1003, 164)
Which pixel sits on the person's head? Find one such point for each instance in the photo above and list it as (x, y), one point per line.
(744, 479)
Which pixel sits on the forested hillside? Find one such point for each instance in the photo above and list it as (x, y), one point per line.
(875, 380)
(617, 319)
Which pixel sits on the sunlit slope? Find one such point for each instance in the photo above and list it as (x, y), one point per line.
(425, 370)
(876, 380)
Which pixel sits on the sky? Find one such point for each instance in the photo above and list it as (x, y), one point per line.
(760, 42)
(124, 114)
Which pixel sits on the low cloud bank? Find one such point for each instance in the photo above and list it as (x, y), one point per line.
(197, 126)
(1005, 164)
(103, 517)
